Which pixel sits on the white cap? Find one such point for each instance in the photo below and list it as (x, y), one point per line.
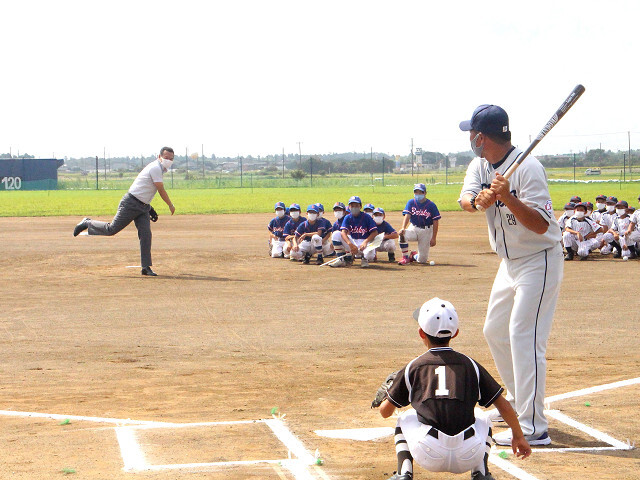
(437, 318)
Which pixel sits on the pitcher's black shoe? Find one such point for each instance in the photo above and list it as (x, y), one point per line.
(149, 272)
(81, 227)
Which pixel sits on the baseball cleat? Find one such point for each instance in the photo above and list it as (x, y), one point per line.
(364, 263)
(406, 476)
(392, 257)
(404, 261)
(148, 272)
(319, 260)
(338, 263)
(480, 476)
(81, 227)
(504, 438)
(569, 255)
(307, 257)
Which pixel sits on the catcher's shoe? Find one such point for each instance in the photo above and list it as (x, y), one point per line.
(392, 257)
(147, 271)
(81, 227)
(480, 476)
(307, 257)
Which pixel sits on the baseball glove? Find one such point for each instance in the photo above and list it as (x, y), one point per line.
(153, 215)
(381, 394)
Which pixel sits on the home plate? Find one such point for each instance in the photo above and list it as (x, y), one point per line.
(362, 434)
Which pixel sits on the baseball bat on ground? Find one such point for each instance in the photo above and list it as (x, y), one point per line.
(564, 108)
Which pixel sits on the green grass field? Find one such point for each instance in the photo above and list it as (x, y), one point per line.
(103, 203)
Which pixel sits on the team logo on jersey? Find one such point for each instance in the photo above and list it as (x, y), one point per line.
(548, 206)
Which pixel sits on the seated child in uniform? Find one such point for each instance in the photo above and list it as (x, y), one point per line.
(441, 432)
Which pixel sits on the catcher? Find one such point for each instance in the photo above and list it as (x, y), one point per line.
(443, 386)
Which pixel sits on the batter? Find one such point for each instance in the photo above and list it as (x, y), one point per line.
(526, 236)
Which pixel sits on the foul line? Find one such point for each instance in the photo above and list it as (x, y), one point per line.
(587, 391)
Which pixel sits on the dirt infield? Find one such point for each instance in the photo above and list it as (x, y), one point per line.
(227, 334)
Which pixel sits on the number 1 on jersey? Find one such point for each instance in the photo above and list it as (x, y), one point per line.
(442, 382)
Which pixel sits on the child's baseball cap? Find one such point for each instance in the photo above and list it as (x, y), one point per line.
(378, 210)
(279, 205)
(369, 206)
(575, 199)
(312, 208)
(320, 207)
(294, 206)
(420, 186)
(437, 318)
(622, 204)
(612, 200)
(354, 199)
(339, 205)
(601, 197)
(569, 206)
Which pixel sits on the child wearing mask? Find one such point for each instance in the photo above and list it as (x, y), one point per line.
(388, 241)
(580, 234)
(276, 231)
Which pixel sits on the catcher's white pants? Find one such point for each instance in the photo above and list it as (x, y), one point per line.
(570, 240)
(423, 237)
(517, 327)
(357, 242)
(445, 453)
(277, 247)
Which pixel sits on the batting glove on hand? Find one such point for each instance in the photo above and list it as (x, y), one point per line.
(381, 394)
(153, 215)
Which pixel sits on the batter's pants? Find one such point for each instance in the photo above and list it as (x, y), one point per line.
(446, 453)
(517, 327)
(130, 210)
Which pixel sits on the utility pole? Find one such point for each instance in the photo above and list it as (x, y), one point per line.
(629, 137)
(240, 170)
(203, 160)
(96, 172)
(283, 163)
(186, 157)
(104, 159)
(624, 167)
(412, 159)
(574, 168)
(311, 169)
(299, 156)
(383, 169)
(371, 160)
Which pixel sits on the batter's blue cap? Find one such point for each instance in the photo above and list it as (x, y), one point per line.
(369, 206)
(612, 199)
(294, 206)
(570, 206)
(420, 186)
(312, 208)
(378, 210)
(339, 205)
(355, 199)
(279, 205)
(320, 207)
(490, 119)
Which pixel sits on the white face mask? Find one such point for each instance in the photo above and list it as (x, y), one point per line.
(280, 213)
(621, 211)
(312, 216)
(355, 211)
(611, 208)
(166, 163)
(295, 215)
(601, 206)
(569, 213)
(580, 214)
(320, 214)
(378, 219)
(338, 214)
(369, 213)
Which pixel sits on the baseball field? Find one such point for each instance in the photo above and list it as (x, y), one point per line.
(229, 363)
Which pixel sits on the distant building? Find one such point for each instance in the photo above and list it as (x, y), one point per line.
(29, 173)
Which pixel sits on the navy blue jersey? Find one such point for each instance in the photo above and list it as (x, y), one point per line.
(359, 227)
(307, 227)
(277, 224)
(422, 214)
(292, 225)
(326, 224)
(385, 227)
(337, 225)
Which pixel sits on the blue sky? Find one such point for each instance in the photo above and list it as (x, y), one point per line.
(254, 77)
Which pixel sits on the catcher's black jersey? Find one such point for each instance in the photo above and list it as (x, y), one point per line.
(443, 386)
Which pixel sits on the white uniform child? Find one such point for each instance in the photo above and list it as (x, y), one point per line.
(579, 235)
(619, 225)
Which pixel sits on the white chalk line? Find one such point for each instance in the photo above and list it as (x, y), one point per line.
(134, 459)
(587, 391)
(510, 468)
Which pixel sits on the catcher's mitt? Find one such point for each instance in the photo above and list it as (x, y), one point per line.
(381, 394)
(153, 215)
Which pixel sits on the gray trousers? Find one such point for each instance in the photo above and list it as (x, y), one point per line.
(130, 209)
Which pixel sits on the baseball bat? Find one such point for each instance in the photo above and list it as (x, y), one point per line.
(564, 108)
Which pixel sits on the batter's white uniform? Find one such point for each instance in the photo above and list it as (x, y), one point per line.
(583, 227)
(525, 290)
